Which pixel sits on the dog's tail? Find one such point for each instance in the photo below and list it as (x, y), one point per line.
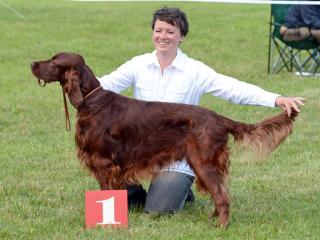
(266, 135)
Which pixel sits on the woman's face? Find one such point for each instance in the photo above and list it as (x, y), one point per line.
(166, 37)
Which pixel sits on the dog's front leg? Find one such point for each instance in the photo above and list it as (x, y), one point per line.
(102, 177)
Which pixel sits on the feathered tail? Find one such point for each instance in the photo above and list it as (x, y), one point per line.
(266, 135)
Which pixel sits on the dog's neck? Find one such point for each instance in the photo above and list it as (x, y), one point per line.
(92, 92)
(91, 82)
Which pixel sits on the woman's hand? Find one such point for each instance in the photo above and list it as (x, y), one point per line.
(287, 103)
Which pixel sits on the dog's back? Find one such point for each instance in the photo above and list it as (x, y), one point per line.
(138, 130)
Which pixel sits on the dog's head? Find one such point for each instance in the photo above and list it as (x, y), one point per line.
(65, 68)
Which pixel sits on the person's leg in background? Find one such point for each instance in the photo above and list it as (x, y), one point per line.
(294, 28)
(311, 17)
(301, 22)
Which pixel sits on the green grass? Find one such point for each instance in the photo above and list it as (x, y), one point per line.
(42, 185)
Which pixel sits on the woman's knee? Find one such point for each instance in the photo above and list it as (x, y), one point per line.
(168, 192)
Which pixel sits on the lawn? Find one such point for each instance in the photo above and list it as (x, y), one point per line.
(42, 184)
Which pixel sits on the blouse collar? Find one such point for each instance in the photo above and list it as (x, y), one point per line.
(178, 62)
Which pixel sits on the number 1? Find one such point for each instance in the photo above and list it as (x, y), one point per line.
(108, 215)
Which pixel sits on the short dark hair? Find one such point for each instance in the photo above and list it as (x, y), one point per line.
(173, 16)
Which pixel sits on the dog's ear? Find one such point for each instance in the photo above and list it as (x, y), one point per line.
(72, 87)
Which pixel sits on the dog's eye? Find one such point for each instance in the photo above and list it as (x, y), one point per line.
(53, 68)
(52, 65)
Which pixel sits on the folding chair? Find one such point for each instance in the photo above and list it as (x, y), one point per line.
(303, 56)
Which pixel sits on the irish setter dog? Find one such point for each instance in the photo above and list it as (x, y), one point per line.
(121, 140)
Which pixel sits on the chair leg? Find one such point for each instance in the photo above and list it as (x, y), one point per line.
(291, 59)
(284, 56)
(269, 55)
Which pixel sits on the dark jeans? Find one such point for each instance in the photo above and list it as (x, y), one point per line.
(167, 193)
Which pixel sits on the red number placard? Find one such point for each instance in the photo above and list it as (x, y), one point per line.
(106, 208)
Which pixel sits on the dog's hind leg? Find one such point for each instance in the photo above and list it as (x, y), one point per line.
(212, 174)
